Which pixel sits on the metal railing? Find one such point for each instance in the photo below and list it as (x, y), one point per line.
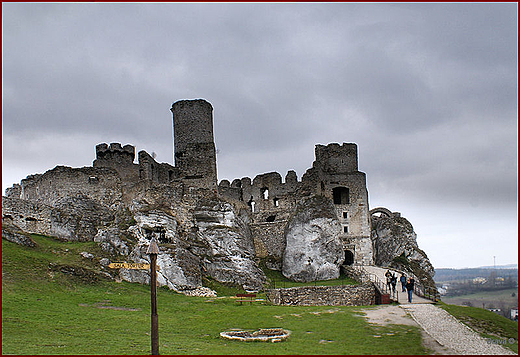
(381, 286)
(426, 292)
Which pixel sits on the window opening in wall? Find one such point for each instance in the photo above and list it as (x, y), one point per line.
(276, 202)
(345, 214)
(251, 204)
(340, 195)
(345, 229)
(322, 186)
(349, 258)
(271, 218)
(265, 193)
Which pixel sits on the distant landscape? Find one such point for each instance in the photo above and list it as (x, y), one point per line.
(448, 274)
(489, 287)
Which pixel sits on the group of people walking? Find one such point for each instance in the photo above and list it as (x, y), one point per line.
(407, 284)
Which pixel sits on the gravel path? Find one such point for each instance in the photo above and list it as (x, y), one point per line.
(450, 332)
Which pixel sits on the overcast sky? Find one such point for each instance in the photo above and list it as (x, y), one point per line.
(428, 91)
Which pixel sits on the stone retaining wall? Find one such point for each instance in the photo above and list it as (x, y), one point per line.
(344, 295)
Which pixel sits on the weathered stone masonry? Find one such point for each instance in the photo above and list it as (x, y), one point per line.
(344, 295)
(306, 228)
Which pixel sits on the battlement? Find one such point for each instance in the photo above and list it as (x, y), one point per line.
(114, 148)
(335, 158)
(189, 104)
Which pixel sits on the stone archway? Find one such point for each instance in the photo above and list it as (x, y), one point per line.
(382, 210)
(349, 257)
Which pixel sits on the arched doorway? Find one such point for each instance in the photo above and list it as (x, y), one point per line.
(349, 257)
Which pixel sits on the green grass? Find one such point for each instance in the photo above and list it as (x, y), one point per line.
(488, 297)
(275, 279)
(45, 311)
(487, 323)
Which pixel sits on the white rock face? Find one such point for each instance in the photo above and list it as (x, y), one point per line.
(394, 237)
(228, 253)
(313, 248)
(110, 241)
(215, 242)
(179, 269)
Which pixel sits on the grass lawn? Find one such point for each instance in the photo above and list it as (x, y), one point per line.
(45, 311)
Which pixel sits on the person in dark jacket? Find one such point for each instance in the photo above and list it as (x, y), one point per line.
(394, 282)
(402, 279)
(409, 286)
(388, 275)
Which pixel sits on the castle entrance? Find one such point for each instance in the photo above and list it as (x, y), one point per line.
(349, 257)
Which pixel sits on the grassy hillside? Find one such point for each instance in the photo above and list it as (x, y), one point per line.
(55, 302)
(487, 323)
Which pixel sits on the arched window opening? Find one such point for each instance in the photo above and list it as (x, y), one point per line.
(341, 195)
(349, 258)
(265, 192)
(276, 202)
(251, 204)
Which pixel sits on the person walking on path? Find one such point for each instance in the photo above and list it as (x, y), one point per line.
(403, 282)
(394, 282)
(388, 279)
(409, 287)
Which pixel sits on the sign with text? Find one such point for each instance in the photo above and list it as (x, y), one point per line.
(141, 266)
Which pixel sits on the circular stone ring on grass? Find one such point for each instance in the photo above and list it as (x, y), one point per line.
(262, 335)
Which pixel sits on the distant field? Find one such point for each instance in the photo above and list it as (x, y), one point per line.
(489, 298)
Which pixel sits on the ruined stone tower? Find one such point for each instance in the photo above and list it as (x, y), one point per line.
(194, 146)
(340, 180)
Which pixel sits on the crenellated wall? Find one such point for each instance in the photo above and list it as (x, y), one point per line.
(114, 177)
(334, 174)
(119, 158)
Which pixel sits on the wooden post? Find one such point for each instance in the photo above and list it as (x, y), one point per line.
(153, 250)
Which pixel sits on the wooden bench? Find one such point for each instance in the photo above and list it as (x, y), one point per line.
(249, 298)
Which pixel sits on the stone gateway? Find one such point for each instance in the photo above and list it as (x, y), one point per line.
(305, 228)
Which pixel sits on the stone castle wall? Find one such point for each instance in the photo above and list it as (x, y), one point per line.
(31, 217)
(344, 295)
(102, 184)
(271, 200)
(114, 177)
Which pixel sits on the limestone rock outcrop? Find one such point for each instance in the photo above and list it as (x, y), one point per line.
(395, 245)
(226, 247)
(15, 235)
(313, 248)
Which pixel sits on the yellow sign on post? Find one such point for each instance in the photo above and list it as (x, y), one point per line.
(141, 266)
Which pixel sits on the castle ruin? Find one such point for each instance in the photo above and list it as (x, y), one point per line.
(334, 174)
(201, 221)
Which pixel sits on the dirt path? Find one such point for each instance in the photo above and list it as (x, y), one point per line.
(441, 332)
(394, 315)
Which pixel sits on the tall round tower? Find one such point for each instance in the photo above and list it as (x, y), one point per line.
(194, 145)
